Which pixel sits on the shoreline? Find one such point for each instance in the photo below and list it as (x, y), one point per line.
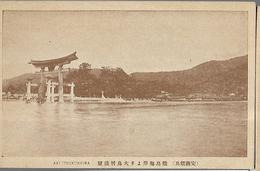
(103, 101)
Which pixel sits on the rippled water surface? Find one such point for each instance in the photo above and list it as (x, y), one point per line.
(80, 129)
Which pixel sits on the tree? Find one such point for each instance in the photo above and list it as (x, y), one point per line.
(113, 81)
(85, 66)
(11, 89)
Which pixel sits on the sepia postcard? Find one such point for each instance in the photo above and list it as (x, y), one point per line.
(129, 84)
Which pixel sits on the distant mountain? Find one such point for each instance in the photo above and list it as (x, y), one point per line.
(218, 77)
(19, 82)
(213, 77)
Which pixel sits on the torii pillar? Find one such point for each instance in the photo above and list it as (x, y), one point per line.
(60, 78)
(53, 84)
(29, 84)
(41, 91)
(28, 92)
(48, 92)
(102, 94)
(72, 85)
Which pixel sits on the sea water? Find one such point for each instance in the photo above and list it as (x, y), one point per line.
(152, 130)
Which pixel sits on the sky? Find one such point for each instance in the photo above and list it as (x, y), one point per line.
(136, 41)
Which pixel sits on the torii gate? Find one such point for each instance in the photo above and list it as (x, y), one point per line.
(50, 91)
(29, 84)
(51, 64)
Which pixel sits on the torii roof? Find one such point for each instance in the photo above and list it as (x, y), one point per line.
(54, 62)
